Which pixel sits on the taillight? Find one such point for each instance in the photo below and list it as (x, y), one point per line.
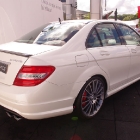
(33, 75)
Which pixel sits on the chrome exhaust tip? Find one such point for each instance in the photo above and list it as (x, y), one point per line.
(17, 118)
(9, 114)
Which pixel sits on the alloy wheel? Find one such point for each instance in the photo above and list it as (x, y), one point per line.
(92, 97)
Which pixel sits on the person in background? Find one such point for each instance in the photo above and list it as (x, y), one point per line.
(137, 28)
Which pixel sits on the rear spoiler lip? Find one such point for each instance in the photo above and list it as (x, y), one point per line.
(16, 53)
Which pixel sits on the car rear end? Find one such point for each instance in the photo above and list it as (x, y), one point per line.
(21, 85)
(26, 88)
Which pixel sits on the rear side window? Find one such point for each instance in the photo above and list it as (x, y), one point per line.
(103, 35)
(129, 35)
(108, 34)
(93, 40)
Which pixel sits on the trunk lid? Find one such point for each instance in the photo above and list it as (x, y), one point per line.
(13, 56)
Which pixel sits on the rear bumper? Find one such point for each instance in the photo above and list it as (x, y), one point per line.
(35, 111)
(43, 101)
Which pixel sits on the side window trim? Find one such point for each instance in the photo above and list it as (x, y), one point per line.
(119, 34)
(98, 36)
(112, 24)
(94, 28)
(118, 31)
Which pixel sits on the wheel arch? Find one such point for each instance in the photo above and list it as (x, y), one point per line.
(98, 75)
(105, 81)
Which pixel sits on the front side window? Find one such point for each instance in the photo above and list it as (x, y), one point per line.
(129, 35)
(108, 34)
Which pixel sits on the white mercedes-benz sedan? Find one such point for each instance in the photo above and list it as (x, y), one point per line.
(66, 66)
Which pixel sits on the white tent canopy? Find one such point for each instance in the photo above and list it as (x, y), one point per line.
(131, 22)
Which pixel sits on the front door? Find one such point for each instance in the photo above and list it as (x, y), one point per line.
(132, 39)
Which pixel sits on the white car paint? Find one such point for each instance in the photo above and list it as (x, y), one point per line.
(108, 56)
(74, 65)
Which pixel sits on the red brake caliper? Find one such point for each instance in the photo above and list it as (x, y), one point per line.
(84, 99)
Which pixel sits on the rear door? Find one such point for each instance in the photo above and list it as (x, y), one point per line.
(114, 58)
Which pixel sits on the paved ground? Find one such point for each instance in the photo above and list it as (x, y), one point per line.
(119, 119)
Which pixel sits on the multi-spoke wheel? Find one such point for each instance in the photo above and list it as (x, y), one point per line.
(90, 98)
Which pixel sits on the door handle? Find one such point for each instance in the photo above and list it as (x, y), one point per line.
(133, 51)
(104, 53)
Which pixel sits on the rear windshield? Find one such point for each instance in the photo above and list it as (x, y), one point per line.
(52, 34)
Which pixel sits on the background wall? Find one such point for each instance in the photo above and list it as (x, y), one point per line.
(17, 17)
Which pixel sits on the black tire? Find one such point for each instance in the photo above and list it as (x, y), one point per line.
(91, 98)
